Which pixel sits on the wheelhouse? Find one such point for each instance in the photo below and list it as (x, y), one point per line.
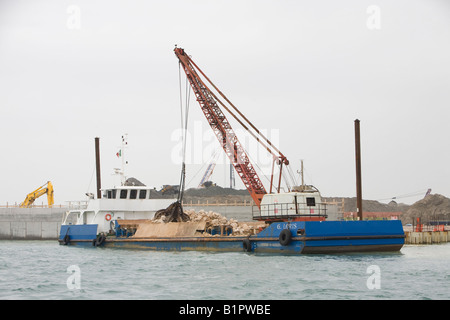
(128, 193)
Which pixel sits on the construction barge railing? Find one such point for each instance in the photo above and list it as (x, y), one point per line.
(198, 203)
(289, 210)
(69, 205)
(17, 205)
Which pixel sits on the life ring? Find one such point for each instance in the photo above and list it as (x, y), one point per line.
(285, 237)
(246, 245)
(108, 217)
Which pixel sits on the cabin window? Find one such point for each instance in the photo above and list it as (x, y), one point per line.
(311, 202)
(114, 192)
(133, 194)
(123, 194)
(109, 194)
(142, 194)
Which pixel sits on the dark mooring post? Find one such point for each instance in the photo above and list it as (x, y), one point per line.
(97, 166)
(358, 171)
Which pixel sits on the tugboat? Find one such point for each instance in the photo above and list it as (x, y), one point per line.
(131, 201)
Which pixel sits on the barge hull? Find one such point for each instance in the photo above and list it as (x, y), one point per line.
(353, 249)
(306, 237)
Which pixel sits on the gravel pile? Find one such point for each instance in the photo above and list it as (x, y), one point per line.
(214, 219)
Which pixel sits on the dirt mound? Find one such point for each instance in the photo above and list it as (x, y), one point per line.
(214, 191)
(134, 182)
(369, 205)
(432, 207)
(215, 194)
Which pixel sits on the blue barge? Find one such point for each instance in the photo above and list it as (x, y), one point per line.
(286, 223)
(298, 237)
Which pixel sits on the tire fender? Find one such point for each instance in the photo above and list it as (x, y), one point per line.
(285, 237)
(247, 245)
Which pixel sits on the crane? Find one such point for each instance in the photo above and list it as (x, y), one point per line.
(209, 103)
(207, 174)
(46, 188)
(210, 169)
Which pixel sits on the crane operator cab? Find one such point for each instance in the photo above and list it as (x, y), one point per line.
(302, 203)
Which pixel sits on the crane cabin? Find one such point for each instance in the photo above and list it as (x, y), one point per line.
(303, 203)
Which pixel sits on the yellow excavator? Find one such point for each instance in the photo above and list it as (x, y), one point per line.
(31, 197)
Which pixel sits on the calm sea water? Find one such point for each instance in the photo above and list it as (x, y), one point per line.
(47, 270)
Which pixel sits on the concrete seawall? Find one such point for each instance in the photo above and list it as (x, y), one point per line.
(45, 223)
(30, 223)
(427, 237)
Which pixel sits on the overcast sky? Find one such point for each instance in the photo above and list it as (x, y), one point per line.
(303, 71)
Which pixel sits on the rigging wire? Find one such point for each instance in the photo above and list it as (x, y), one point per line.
(90, 182)
(181, 95)
(407, 195)
(211, 158)
(283, 173)
(292, 176)
(184, 134)
(255, 163)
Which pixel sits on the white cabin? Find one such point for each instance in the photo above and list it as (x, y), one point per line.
(124, 202)
(301, 202)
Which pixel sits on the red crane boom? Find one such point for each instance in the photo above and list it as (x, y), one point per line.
(224, 132)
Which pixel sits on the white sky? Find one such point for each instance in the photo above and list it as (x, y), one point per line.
(304, 70)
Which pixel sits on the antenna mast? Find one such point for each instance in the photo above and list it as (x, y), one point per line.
(121, 154)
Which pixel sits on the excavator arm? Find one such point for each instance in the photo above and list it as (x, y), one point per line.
(31, 197)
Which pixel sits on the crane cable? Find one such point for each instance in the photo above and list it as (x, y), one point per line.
(184, 132)
(175, 212)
